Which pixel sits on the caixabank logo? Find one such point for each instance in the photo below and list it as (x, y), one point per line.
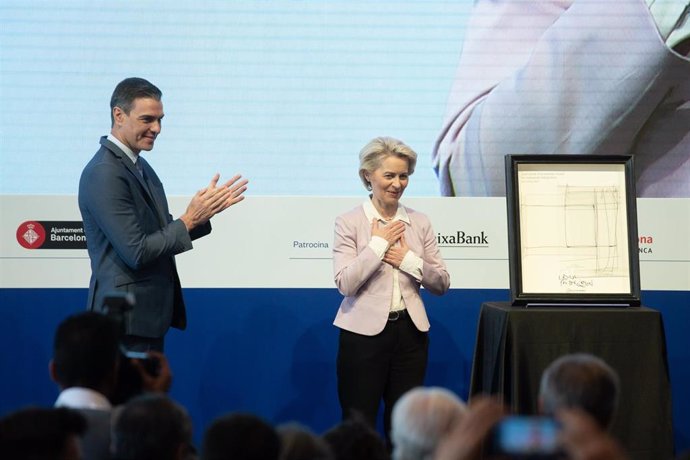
(34, 234)
(462, 239)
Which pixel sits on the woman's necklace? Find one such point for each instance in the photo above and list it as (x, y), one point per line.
(388, 219)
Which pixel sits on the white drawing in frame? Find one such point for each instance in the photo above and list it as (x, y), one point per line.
(573, 228)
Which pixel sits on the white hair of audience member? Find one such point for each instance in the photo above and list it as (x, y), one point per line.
(421, 417)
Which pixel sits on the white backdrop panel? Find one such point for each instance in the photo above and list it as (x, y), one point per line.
(279, 242)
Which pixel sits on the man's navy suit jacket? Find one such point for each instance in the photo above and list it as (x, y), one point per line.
(132, 240)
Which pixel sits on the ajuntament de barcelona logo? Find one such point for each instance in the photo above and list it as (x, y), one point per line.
(51, 235)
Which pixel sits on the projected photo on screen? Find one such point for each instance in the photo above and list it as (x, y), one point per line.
(570, 77)
(285, 93)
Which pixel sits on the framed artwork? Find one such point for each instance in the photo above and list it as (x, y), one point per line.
(572, 230)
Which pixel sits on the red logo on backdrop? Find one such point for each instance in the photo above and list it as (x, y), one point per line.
(31, 235)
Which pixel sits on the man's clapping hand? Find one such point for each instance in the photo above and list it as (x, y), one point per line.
(213, 199)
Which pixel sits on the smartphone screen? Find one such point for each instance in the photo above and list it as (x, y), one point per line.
(527, 437)
(137, 354)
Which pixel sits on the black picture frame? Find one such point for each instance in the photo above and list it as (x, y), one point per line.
(572, 230)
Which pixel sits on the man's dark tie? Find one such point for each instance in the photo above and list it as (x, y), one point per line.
(140, 168)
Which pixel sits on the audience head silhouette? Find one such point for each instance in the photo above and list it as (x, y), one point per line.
(240, 436)
(580, 381)
(152, 426)
(41, 434)
(354, 439)
(86, 352)
(300, 443)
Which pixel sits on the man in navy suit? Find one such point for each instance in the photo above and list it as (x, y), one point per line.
(131, 237)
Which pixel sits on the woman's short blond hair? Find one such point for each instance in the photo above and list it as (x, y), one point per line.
(373, 154)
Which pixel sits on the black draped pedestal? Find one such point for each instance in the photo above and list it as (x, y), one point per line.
(515, 344)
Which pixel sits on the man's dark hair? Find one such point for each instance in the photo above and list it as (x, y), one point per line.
(240, 436)
(151, 427)
(85, 350)
(580, 381)
(39, 433)
(354, 439)
(299, 443)
(130, 89)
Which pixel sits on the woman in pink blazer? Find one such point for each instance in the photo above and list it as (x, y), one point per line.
(383, 253)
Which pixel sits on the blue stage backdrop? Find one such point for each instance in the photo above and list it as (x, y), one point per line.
(272, 351)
